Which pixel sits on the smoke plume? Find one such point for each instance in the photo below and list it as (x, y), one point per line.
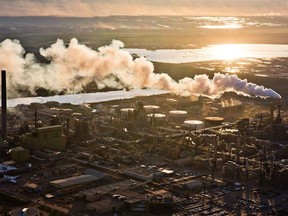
(76, 65)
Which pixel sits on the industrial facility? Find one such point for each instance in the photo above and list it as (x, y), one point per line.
(153, 155)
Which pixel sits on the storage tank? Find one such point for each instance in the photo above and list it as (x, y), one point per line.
(194, 124)
(178, 115)
(157, 115)
(151, 108)
(127, 113)
(126, 110)
(24, 211)
(213, 121)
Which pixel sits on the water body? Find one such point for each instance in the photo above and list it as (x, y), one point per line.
(214, 52)
(86, 98)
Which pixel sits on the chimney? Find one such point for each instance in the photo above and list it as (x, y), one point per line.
(271, 112)
(3, 105)
(35, 118)
(278, 119)
(215, 148)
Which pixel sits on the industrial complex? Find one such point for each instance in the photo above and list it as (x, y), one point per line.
(153, 155)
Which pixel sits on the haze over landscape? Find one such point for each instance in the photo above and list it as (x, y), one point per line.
(91, 8)
(95, 24)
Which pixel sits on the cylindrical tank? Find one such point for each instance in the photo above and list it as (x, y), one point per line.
(178, 115)
(126, 110)
(213, 121)
(24, 211)
(194, 124)
(151, 108)
(155, 118)
(156, 115)
(127, 113)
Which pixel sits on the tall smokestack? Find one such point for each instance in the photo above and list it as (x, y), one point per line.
(3, 105)
(35, 118)
(271, 112)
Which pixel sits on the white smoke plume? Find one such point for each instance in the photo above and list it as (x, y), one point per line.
(76, 65)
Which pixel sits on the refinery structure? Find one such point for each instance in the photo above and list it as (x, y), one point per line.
(154, 155)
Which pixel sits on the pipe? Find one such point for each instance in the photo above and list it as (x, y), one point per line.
(3, 105)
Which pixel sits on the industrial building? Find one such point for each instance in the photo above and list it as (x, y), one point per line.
(153, 155)
(93, 194)
(160, 202)
(105, 206)
(73, 181)
(50, 137)
(19, 154)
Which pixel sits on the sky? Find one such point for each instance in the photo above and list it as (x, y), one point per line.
(91, 8)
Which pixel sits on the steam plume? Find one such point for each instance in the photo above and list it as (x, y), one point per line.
(73, 67)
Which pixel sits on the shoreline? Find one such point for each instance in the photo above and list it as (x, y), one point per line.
(215, 52)
(86, 98)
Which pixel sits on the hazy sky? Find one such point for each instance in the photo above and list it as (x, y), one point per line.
(90, 8)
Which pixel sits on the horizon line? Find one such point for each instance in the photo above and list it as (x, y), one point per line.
(119, 15)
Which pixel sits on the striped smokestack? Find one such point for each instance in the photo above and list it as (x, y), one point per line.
(3, 105)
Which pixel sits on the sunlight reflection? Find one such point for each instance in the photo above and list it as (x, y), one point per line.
(228, 26)
(228, 51)
(232, 69)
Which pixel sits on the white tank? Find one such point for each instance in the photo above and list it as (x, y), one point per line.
(126, 110)
(157, 115)
(178, 114)
(194, 124)
(151, 108)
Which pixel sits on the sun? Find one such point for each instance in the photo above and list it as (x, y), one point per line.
(228, 51)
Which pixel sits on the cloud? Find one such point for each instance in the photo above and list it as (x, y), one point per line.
(74, 66)
(90, 8)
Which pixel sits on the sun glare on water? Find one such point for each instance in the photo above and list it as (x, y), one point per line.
(228, 51)
(230, 26)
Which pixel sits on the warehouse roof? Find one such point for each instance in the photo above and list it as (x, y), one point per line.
(74, 180)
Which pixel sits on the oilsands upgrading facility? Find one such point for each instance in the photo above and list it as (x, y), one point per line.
(153, 155)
